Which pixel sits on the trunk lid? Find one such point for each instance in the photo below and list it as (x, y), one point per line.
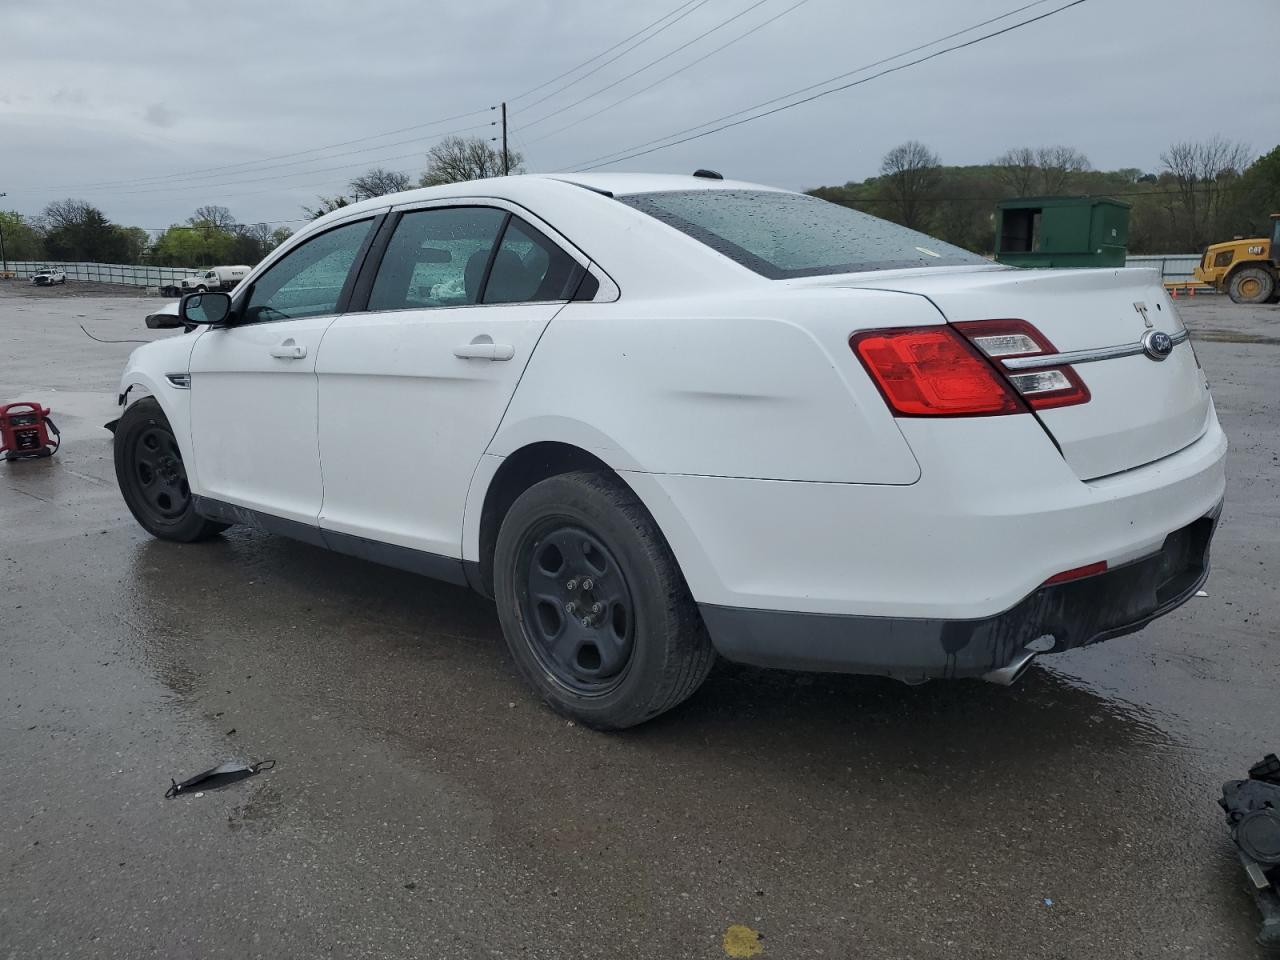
(1140, 409)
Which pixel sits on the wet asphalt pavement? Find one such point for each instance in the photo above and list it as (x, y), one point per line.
(426, 805)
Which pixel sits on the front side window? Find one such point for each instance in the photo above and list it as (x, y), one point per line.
(308, 280)
(437, 258)
(783, 235)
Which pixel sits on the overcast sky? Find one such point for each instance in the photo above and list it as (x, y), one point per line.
(93, 92)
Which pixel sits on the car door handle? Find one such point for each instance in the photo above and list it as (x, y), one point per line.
(483, 348)
(288, 350)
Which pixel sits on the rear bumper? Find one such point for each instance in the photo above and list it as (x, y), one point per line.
(942, 577)
(1119, 601)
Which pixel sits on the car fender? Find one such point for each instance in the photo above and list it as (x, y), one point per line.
(147, 374)
(516, 434)
(658, 388)
(699, 571)
(719, 386)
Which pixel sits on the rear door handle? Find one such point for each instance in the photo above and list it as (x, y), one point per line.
(483, 348)
(288, 350)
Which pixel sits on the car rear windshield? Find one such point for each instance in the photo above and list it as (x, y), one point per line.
(782, 235)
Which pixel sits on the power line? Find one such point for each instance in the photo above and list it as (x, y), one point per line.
(247, 163)
(272, 178)
(161, 188)
(547, 83)
(1074, 196)
(651, 63)
(666, 77)
(222, 168)
(597, 69)
(822, 83)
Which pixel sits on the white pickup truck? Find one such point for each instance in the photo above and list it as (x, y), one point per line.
(215, 278)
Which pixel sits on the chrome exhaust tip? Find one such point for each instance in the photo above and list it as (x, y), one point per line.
(1009, 674)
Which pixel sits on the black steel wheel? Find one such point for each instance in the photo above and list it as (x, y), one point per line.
(152, 477)
(576, 606)
(593, 605)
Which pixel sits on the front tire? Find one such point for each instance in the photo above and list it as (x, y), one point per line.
(1251, 285)
(593, 605)
(152, 478)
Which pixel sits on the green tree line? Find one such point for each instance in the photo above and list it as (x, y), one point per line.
(1204, 191)
(76, 231)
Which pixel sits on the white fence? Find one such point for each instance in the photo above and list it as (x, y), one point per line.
(131, 274)
(1175, 267)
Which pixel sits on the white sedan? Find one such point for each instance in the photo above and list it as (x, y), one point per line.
(658, 418)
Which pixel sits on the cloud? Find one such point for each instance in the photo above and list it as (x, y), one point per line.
(258, 107)
(158, 115)
(72, 95)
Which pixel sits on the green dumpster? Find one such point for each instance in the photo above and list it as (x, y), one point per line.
(1062, 232)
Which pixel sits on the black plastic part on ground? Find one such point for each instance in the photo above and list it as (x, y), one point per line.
(1253, 811)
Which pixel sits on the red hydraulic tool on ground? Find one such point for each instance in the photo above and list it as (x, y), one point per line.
(25, 430)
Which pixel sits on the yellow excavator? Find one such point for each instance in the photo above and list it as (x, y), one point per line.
(1248, 271)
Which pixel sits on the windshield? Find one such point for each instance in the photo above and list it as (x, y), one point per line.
(783, 235)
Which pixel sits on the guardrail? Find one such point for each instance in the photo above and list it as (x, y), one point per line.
(136, 275)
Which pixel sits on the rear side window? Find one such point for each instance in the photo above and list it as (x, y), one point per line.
(445, 257)
(437, 258)
(529, 268)
(783, 235)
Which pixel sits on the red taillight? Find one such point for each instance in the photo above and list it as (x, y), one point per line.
(1043, 387)
(933, 372)
(1076, 573)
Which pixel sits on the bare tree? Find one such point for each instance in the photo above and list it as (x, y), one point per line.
(326, 205)
(66, 213)
(1028, 171)
(1016, 170)
(1201, 172)
(909, 175)
(259, 233)
(1058, 166)
(455, 159)
(212, 215)
(378, 182)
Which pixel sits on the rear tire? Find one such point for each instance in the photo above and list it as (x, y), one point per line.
(153, 480)
(580, 546)
(1251, 285)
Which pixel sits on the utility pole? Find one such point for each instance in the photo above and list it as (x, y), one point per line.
(4, 260)
(506, 155)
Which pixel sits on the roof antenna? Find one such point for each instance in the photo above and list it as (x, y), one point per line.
(708, 174)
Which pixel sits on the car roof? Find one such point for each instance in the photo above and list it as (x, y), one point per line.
(533, 186)
(577, 206)
(621, 184)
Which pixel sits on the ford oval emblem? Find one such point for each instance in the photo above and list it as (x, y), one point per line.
(1157, 344)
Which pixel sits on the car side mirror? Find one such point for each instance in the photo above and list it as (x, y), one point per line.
(205, 308)
(162, 320)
